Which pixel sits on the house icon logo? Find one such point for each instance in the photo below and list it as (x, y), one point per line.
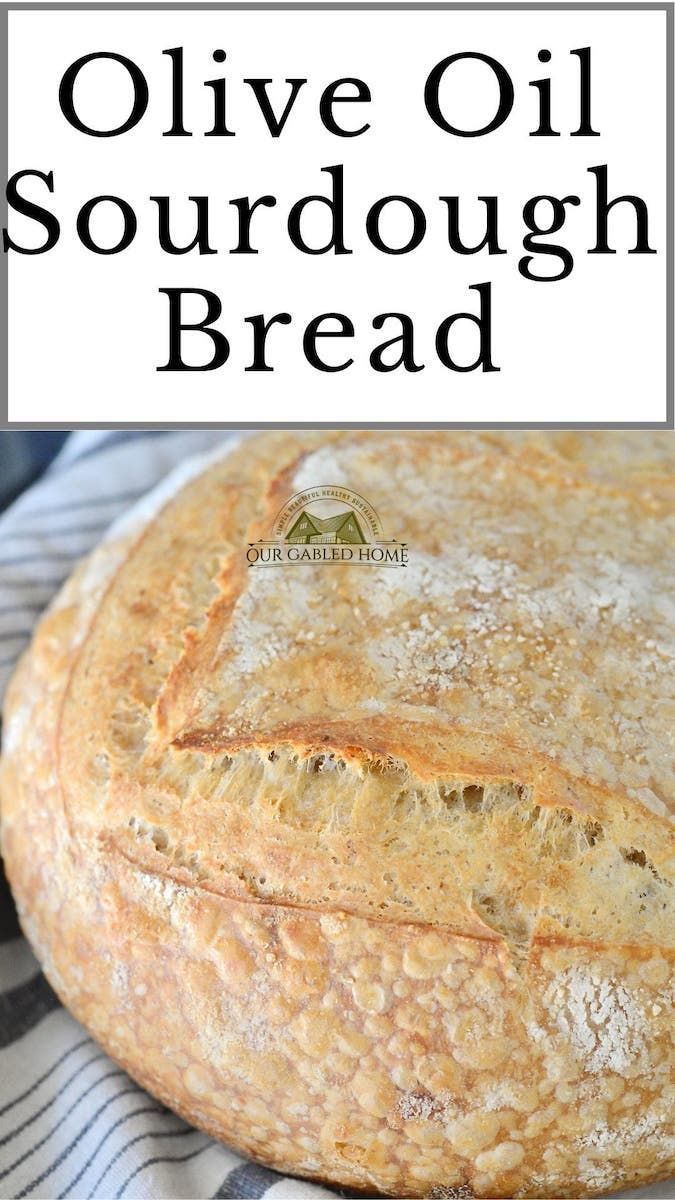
(343, 528)
(327, 524)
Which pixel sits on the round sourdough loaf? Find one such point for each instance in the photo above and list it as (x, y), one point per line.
(364, 869)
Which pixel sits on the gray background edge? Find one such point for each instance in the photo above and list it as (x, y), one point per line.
(665, 6)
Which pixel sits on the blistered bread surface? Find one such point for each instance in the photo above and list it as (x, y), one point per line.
(368, 870)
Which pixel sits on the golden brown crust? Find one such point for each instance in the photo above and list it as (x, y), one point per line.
(367, 871)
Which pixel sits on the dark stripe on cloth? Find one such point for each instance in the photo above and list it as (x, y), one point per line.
(161, 1158)
(129, 1091)
(116, 438)
(32, 583)
(23, 1007)
(21, 560)
(135, 1112)
(9, 922)
(5, 609)
(92, 502)
(247, 1182)
(30, 535)
(140, 1137)
(45, 1107)
(43, 1078)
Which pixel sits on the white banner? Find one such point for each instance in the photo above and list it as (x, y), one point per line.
(338, 216)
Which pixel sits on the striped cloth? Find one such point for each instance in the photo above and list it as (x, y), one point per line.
(72, 1124)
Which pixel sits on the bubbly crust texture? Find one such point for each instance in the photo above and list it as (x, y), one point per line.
(368, 871)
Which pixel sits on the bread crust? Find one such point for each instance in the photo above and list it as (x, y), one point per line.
(368, 873)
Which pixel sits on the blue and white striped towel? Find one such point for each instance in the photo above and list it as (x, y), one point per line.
(72, 1124)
